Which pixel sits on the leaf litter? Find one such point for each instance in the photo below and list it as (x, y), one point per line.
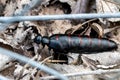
(18, 37)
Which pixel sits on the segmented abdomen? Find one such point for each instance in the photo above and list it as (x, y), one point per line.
(77, 44)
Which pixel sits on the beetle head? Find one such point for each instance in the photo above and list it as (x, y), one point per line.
(38, 39)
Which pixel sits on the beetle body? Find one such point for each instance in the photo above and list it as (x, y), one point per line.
(76, 44)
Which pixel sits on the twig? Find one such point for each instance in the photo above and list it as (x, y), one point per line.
(111, 29)
(55, 61)
(77, 28)
(84, 73)
(45, 59)
(24, 67)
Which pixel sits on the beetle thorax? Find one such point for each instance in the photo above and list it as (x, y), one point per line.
(45, 40)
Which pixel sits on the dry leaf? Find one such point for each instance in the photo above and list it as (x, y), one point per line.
(72, 69)
(80, 7)
(98, 29)
(70, 2)
(19, 38)
(107, 7)
(10, 8)
(3, 1)
(105, 58)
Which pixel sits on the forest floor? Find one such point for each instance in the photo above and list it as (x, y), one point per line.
(19, 37)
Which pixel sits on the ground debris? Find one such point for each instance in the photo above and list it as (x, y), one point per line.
(19, 37)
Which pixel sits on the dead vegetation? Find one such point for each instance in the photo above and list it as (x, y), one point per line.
(18, 37)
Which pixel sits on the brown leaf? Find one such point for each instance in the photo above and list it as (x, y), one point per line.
(104, 6)
(80, 7)
(8, 46)
(10, 8)
(98, 29)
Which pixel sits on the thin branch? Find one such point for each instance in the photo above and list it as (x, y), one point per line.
(78, 27)
(84, 73)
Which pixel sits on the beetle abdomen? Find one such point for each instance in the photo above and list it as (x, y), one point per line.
(77, 44)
